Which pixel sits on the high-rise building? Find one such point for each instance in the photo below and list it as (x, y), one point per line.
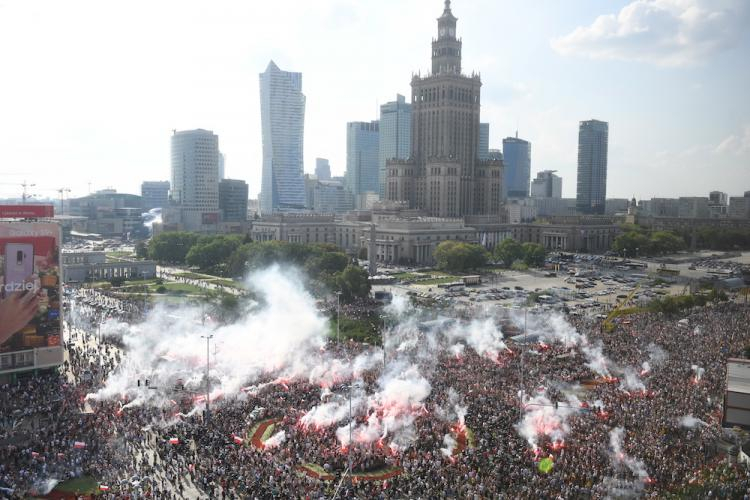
(718, 198)
(739, 206)
(233, 200)
(546, 185)
(154, 194)
(362, 157)
(221, 166)
(517, 161)
(591, 192)
(484, 141)
(444, 176)
(282, 111)
(195, 170)
(395, 135)
(322, 169)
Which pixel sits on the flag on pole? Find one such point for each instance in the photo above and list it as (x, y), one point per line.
(79, 445)
(103, 487)
(237, 439)
(174, 441)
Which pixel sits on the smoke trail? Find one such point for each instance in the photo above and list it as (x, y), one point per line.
(690, 422)
(543, 418)
(275, 440)
(620, 458)
(596, 360)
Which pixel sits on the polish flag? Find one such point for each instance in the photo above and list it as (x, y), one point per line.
(34, 455)
(237, 439)
(174, 441)
(79, 445)
(103, 487)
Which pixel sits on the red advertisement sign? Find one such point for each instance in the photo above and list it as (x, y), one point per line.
(26, 211)
(30, 297)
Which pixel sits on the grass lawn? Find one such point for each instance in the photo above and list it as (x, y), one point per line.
(361, 330)
(177, 288)
(85, 485)
(195, 276)
(438, 281)
(227, 283)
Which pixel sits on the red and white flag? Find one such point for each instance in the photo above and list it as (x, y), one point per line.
(79, 445)
(103, 487)
(34, 455)
(61, 455)
(237, 439)
(174, 441)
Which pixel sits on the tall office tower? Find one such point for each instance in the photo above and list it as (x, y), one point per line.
(395, 135)
(444, 176)
(233, 200)
(154, 194)
(221, 166)
(362, 156)
(484, 141)
(322, 169)
(282, 111)
(517, 161)
(546, 185)
(195, 170)
(591, 193)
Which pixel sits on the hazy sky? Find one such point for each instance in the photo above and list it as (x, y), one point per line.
(91, 90)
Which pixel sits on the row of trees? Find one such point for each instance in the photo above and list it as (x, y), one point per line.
(460, 256)
(637, 240)
(233, 256)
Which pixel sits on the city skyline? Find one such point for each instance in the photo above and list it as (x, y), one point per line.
(673, 108)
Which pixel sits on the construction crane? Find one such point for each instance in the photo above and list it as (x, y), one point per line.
(25, 194)
(608, 324)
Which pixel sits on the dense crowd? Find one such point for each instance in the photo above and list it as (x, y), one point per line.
(172, 452)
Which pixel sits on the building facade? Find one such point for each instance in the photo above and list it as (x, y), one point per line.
(363, 157)
(395, 135)
(154, 194)
(322, 169)
(739, 206)
(233, 200)
(546, 185)
(484, 142)
(591, 192)
(107, 213)
(195, 170)
(517, 161)
(444, 176)
(282, 110)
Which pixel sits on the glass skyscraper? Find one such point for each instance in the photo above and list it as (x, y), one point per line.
(484, 141)
(282, 111)
(591, 192)
(517, 159)
(395, 135)
(362, 157)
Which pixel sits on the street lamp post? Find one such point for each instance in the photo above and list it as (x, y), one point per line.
(208, 379)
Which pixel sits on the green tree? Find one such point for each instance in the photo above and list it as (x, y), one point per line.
(141, 250)
(171, 247)
(534, 254)
(663, 242)
(211, 253)
(353, 282)
(459, 256)
(507, 252)
(631, 242)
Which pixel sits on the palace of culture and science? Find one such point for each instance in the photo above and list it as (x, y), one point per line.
(444, 176)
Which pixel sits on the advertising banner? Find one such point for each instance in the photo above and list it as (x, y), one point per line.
(26, 211)
(30, 297)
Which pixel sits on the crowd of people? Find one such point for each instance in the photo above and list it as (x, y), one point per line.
(49, 430)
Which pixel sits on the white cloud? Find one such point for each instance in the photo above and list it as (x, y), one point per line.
(662, 32)
(737, 144)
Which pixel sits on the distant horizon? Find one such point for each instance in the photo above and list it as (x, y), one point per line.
(88, 102)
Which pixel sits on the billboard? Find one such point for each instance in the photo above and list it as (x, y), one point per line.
(26, 211)
(30, 297)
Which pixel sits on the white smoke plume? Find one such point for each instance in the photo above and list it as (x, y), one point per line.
(630, 381)
(553, 328)
(450, 445)
(656, 355)
(285, 333)
(541, 418)
(275, 440)
(699, 371)
(484, 336)
(690, 422)
(620, 458)
(596, 360)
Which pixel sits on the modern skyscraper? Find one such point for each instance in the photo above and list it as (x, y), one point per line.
(362, 157)
(195, 170)
(233, 200)
(444, 176)
(546, 185)
(282, 111)
(395, 135)
(593, 140)
(322, 169)
(154, 194)
(221, 166)
(484, 141)
(517, 161)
